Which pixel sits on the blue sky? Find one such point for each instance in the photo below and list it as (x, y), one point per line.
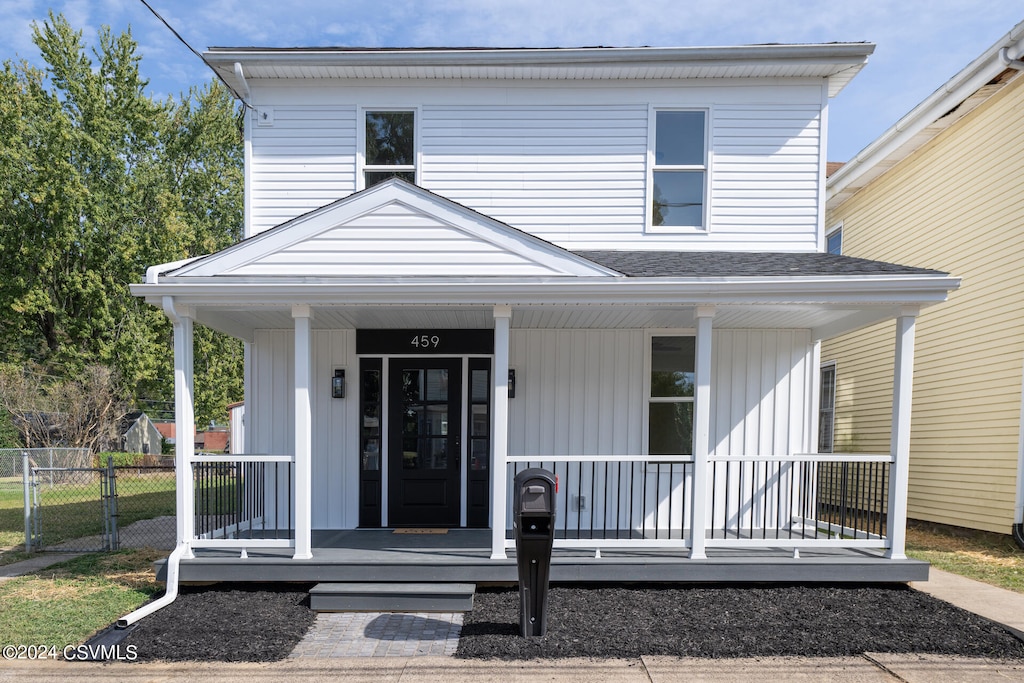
(920, 43)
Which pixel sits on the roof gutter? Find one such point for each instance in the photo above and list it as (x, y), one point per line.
(841, 53)
(920, 289)
(957, 89)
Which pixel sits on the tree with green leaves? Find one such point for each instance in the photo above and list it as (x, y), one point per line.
(100, 181)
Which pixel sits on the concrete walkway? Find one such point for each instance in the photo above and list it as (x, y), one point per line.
(997, 604)
(33, 564)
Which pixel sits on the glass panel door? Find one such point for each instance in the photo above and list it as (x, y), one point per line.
(425, 442)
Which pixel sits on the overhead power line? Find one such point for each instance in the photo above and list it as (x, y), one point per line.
(198, 54)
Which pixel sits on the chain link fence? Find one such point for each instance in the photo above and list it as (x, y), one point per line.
(145, 507)
(54, 459)
(88, 509)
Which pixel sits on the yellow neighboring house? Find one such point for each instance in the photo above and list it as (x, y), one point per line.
(943, 189)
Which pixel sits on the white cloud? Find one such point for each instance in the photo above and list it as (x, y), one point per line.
(920, 43)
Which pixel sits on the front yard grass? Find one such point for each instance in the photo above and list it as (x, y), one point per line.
(66, 603)
(987, 557)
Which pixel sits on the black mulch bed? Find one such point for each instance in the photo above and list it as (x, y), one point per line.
(236, 623)
(731, 621)
(243, 622)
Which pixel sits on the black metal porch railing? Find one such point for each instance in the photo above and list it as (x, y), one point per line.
(751, 501)
(243, 497)
(790, 498)
(644, 498)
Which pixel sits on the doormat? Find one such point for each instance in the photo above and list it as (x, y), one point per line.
(421, 531)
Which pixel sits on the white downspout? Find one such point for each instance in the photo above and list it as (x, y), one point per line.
(1011, 62)
(242, 81)
(170, 593)
(181, 320)
(1017, 530)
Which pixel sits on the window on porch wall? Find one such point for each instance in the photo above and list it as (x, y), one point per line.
(670, 404)
(827, 410)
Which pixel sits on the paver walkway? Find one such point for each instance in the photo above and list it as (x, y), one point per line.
(380, 634)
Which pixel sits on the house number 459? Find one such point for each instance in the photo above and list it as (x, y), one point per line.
(423, 341)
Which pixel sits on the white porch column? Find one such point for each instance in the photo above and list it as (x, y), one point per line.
(184, 420)
(499, 466)
(701, 431)
(303, 316)
(902, 391)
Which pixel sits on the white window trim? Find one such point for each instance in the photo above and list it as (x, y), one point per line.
(838, 227)
(704, 227)
(645, 429)
(361, 165)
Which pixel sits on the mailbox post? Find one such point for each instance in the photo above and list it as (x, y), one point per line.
(534, 525)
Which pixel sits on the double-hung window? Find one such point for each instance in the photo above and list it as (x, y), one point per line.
(670, 404)
(680, 169)
(390, 146)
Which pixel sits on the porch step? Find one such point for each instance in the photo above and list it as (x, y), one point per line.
(392, 597)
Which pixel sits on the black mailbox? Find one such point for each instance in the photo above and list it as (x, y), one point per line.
(533, 509)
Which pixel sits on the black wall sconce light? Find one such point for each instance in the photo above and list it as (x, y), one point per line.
(511, 383)
(338, 383)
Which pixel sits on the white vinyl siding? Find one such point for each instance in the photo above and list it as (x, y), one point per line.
(304, 161)
(559, 172)
(568, 166)
(764, 189)
(399, 241)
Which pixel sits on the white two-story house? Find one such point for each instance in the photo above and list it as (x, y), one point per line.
(607, 262)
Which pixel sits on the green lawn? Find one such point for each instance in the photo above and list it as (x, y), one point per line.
(990, 558)
(66, 603)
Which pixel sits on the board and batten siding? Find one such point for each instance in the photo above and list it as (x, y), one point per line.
(271, 423)
(955, 205)
(582, 392)
(571, 172)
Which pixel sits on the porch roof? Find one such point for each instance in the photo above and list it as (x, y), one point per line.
(744, 264)
(397, 255)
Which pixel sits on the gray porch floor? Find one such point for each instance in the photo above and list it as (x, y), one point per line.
(463, 555)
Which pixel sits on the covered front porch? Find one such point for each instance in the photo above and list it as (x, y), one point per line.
(565, 360)
(815, 517)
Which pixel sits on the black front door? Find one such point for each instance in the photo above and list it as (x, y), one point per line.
(424, 458)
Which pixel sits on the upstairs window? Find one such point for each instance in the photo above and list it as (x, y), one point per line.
(834, 241)
(390, 147)
(679, 175)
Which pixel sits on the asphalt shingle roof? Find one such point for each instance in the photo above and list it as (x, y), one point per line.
(743, 264)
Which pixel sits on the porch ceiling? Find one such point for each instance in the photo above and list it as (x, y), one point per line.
(827, 320)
